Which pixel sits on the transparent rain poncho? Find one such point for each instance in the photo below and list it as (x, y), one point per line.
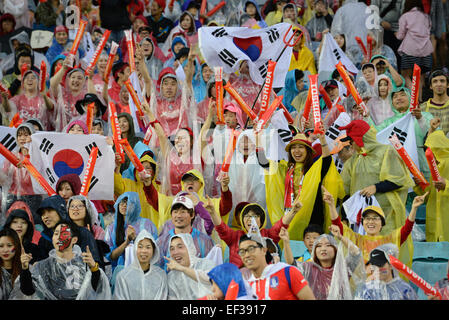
(133, 284)
(57, 279)
(443, 285)
(5, 284)
(181, 286)
(396, 289)
(333, 283)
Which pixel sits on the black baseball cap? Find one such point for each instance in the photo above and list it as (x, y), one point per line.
(377, 258)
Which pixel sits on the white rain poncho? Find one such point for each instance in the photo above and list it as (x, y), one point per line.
(181, 286)
(396, 289)
(133, 284)
(57, 279)
(332, 283)
(246, 182)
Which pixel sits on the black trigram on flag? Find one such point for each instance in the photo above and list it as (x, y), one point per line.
(336, 54)
(339, 164)
(227, 57)
(263, 69)
(286, 135)
(402, 135)
(9, 142)
(369, 201)
(220, 32)
(93, 182)
(273, 35)
(46, 146)
(50, 176)
(333, 132)
(89, 149)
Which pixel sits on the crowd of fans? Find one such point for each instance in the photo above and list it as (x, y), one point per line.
(186, 228)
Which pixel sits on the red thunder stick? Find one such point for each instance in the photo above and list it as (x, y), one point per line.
(132, 155)
(78, 37)
(413, 277)
(116, 131)
(313, 79)
(267, 87)
(219, 94)
(110, 62)
(215, 9)
(89, 171)
(97, 52)
(15, 121)
(90, 116)
(350, 86)
(432, 165)
(245, 107)
(268, 114)
(39, 178)
(415, 87)
(42, 76)
(11, 157)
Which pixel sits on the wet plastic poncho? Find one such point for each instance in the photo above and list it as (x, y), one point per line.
(443, 286)
(289, 91)
(246, 178)
(181, 286)
(132, 218)
(57, 279)
(378, 162)
(97, 230)
(154, 61)
(421, 127)
(396, 289)
(437, 219)
(321, 279)
(5, 284)
(134, 284)
(224, 273)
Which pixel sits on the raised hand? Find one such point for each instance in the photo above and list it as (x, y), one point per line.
(88, 258)
(419, 200)
(25, 259)
(327, 197)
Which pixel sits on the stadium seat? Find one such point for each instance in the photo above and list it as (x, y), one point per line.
(430, 261)
(298, 248)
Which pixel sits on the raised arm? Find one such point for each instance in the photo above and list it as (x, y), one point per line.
(142, 68)
(163, 140)
(206, 125)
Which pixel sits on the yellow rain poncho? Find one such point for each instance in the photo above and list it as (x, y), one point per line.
(122, 185)
(380, 162)
(437, 218)
(275, 191)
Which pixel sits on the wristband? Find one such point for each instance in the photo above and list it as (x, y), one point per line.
(95, 268)
(153, 122)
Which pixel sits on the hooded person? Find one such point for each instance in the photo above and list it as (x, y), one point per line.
(400, 105)
(246, 176)
(176, 45)
(302, 56)
(379, 106)
(187, 29)
(67, 86)
(251, 210)
(30, 103)
(383, 282)
(191, 181)
(21, 221)
(123, 231)
(126, 123)
(52, 210)
(90, 220)
(16, 181)
(7, 17)
(200, 81)
(99, 108)
(321, 271)
(21, 205)
(290, 89)
(136, 283)
(76, 127)
(130, 180)
(187, 276)
(154, 58)
(60, 43)
(36, 123)
(66, 274)
(68, 185)
(203, 106)
(222, 276)
(437, 224)
(251, 8)
(12, 78)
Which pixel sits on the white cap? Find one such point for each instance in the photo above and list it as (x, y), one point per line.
(182, 199)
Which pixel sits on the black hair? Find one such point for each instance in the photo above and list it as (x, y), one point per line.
(312, 228)
(22, 214)
(245, 237)
(16, 264)
(23, 128)
(256, 209)
(120, 227)
(299, 74)
(181, 206)
(410, 4)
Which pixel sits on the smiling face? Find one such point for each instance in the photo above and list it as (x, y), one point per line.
(182, 142)
(439, 85)
(298, 152)
(30, 82)
(76, 81)
(147, 48)
(230, 119)
(181, 217)
(124, 124)
(372, 223)
(61, 37)
(144, 251)
(77, 211)
(253, 256)
(179, 252)
(248, 217)
(76, 129)
(400, 101)
(7, 249)
(23, 137)
(20, 226)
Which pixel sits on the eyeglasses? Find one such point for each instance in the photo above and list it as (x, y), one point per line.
(250, 250)
(372, 219)
(77, 207)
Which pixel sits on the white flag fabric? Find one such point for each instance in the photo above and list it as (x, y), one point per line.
(227, 47)
(133, 78)
(354, 207)
(405, 131)
(331, 54)
(280, 136)
(56, 154)
(8, 140)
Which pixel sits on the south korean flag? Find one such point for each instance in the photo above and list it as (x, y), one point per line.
(227, 47)
(8, 140)
(56, 154)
